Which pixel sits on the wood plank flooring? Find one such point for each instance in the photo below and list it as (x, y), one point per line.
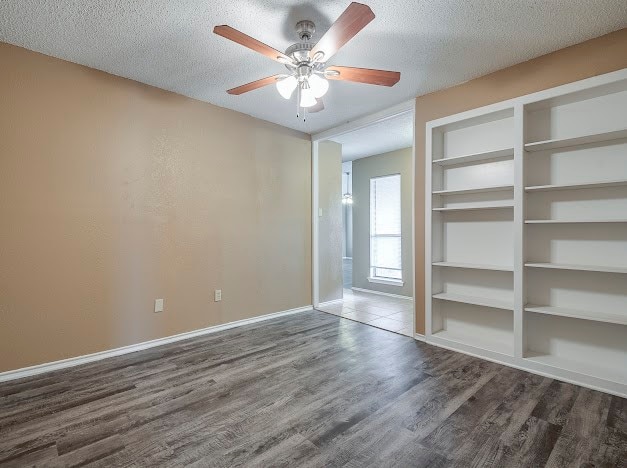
(310, 389)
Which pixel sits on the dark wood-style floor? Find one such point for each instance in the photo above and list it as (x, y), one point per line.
(310, 389)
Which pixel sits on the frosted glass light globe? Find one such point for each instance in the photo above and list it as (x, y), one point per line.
(286, 86)
(307, 98)
(318, 85)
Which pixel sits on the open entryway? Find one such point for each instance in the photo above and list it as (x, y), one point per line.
(363, 188)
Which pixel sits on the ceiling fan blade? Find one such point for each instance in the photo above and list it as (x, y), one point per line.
(364, 75)
(247, 41)
(353, 20)
(254, 85)
(317, 107)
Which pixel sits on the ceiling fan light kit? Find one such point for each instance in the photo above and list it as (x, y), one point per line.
(308, 71)
(286, 86)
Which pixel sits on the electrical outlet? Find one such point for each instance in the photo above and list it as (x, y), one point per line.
(218, 295)
(158, 305)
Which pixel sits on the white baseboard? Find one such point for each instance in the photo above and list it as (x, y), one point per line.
(565, 376)
(77, 361)
(398, 296)
(330, 303)
(420, 337)
(389, 282)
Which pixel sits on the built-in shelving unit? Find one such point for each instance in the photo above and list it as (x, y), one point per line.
(471, 206)
(529, 269)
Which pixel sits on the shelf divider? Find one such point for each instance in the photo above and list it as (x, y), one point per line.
(573, 221)
(474, 266)
(575, 141)
(563, 266)
(494, 188)
(495, 206)
(480, 342)
(546, 188)
(474, 157)
(596, 316)
(475, 300)
(597, 370)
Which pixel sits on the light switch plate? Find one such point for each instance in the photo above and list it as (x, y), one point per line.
(158, 305)
(217, 297)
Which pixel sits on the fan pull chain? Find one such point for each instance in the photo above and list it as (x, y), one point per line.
(298, 102)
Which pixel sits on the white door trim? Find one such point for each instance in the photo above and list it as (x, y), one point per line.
(315, 222)
(366, 121)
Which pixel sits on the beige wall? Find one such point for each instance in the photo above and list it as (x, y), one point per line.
(330, 227)
(114, 193)
(394, 162)
(595, 57)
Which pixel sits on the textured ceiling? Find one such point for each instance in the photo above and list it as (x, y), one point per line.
(433, 43)
(388, 135)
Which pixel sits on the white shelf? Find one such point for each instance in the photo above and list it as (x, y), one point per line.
(595, 370)
(482, 342)
(573, 221)
(474, 266)
(546, 188)
(597, 316)
(475, 300)
(474, 207)
(562, 266)
(495, 188)
(575, 141)
(484, 156)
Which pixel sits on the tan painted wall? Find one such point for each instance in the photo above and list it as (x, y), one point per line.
(595, 57)
(114, 193)
(394, 162)
(330, 228)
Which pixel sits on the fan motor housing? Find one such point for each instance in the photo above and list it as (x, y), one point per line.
(299, 51)
(305, 29)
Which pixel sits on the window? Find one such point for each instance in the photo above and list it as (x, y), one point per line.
(385, 230)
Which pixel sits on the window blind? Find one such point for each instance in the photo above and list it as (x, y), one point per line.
(385, 227)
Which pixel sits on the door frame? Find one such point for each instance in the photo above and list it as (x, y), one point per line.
(357, 124)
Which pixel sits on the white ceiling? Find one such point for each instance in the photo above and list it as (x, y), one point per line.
(388, 135)
(433, 43)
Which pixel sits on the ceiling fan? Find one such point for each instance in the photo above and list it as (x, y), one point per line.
(307, 61)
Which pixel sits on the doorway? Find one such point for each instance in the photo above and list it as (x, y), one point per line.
(363, 224)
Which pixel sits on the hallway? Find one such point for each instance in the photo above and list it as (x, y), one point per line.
(389, 313)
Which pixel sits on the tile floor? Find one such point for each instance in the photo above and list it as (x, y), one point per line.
(390, 313)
